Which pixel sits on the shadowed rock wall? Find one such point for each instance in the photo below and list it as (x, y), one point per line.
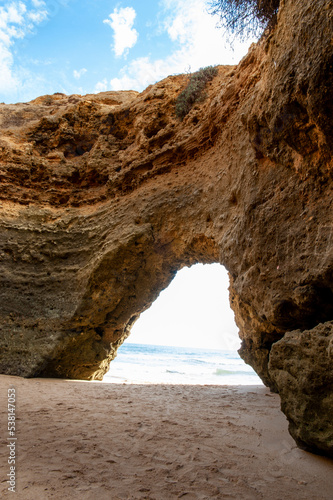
(104, 197)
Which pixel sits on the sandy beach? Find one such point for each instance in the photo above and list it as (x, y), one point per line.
(92, 440)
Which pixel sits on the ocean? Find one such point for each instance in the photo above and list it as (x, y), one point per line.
(155, 364)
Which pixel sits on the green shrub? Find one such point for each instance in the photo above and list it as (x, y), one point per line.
(194, 90)
(245, 17)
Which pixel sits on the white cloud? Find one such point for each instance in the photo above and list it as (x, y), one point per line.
(197, 43)
(37, 17)
(38, 3)
(140, 73)
(125, 36)
(16, 21)
(101, 86)
(78, 73)
(7, 80)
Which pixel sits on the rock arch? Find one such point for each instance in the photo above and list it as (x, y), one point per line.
(104, 197)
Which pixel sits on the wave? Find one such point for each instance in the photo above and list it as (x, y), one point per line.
(220, 371)
(195, 361)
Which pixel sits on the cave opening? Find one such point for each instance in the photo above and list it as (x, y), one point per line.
(187, 336)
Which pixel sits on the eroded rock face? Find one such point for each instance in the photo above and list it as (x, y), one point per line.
(301, 364)
(104, 197)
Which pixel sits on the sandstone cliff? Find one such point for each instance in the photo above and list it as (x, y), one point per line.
(104, 197)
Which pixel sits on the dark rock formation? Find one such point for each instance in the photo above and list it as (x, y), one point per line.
(104, 197)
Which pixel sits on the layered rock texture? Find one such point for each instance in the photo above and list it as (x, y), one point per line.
(104, 197)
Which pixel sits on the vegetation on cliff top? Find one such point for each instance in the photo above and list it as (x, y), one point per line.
(240, 18)
(245, 17)
(194, 90)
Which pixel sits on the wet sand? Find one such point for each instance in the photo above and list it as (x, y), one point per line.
(91, 440)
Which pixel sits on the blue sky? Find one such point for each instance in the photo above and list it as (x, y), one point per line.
(85, 46)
